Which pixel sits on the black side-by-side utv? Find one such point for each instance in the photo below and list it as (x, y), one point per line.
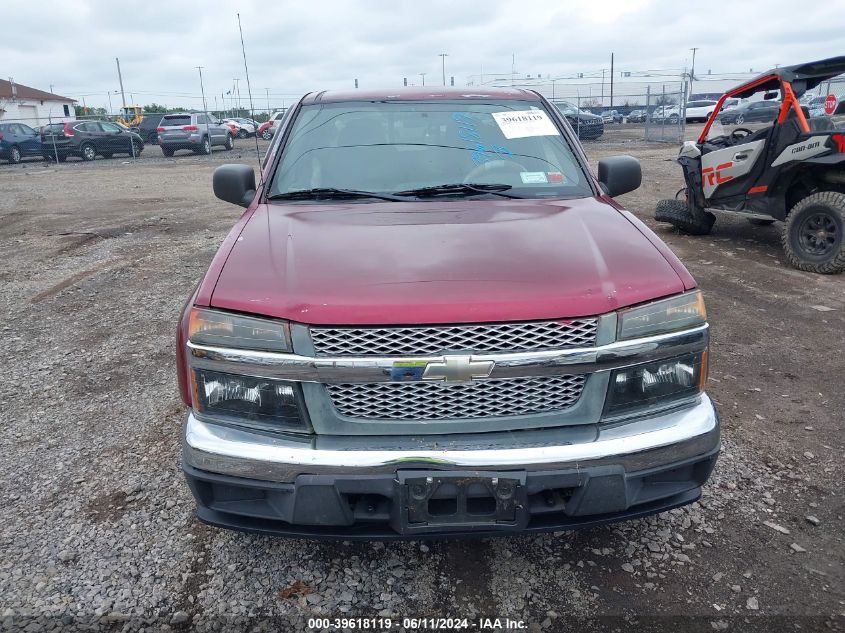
(792, 170)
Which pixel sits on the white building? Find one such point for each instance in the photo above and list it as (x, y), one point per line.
(33, 107)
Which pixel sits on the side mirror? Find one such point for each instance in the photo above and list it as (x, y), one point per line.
(235, 184)
(619, 174)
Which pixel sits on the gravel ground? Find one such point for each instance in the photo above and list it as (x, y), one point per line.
(99, 531)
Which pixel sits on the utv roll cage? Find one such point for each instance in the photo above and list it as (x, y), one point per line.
(792, 81)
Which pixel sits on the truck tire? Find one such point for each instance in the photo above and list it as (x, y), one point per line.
(684, 217)
(813, 236)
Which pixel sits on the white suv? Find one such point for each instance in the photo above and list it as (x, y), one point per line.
(700, 110)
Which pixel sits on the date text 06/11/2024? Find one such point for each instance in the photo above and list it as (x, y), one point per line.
(418, 624)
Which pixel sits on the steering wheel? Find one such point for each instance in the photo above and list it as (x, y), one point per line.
(739, 137)
(493, 166)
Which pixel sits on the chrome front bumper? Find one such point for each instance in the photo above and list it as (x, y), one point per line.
(646, 443)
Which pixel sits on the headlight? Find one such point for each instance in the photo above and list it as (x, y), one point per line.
(669, 315)
(223, 329)
(657, 383)
(256, 402)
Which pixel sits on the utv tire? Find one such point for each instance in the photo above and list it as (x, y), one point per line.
(680, 215)
(813, 236)
(760, 222)
(167, 151)
(88, 152)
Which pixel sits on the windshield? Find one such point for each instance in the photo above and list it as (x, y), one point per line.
(400, 146)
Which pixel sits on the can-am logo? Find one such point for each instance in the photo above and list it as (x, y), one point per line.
(806, 146)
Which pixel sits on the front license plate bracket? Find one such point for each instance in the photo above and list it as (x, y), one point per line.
(437, 501)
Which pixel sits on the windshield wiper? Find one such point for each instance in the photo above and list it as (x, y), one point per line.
(329, 193)
(465, 188)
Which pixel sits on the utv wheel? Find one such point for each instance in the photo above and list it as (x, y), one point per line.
(87, 151)
(813, 237)
(14, 155)
(267, 134)
(760, 222)
(684, 217)
(230, 142)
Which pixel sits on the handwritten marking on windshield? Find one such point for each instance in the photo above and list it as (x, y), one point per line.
(481, 153)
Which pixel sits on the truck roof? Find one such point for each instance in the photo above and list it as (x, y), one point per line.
(420, 94)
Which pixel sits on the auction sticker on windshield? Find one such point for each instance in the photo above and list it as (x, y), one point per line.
(523, 123)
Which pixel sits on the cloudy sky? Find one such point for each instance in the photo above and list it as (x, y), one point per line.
(294, 47)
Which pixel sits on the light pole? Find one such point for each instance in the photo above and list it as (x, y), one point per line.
(205, 110)
(692, 72)
(423, 78)
(443, 57)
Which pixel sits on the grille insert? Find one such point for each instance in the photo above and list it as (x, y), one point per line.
(479, 338)
(444, 401)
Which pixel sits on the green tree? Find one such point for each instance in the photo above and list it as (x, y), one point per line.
(81, 111)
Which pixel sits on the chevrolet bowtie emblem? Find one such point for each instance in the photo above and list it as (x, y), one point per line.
(458, 368)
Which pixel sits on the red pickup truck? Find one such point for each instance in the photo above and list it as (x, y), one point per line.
(432, 319)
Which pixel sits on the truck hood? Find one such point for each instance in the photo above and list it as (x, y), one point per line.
(445, 261)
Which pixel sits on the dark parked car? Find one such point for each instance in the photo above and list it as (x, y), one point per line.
(753, 111)
(88, 139)
(147, 129)
(636, 116)
(18, 141)
(585, 124)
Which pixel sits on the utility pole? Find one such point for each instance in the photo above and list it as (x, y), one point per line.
(108, 95)
(237, 92)
(205, 110)
(268, 101)
(443, 56)
(692, 72)
(602, 87)
(423, 78)
(611, 81)
(51, 87)
(120, 79)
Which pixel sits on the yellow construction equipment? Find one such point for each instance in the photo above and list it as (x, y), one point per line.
(131, 116)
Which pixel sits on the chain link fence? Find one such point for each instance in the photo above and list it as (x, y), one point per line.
(665, 119)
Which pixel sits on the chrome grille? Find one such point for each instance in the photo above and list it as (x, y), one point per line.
(479, 338)
(443, 400)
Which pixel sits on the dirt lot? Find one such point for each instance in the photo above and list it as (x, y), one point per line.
(98, 525)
